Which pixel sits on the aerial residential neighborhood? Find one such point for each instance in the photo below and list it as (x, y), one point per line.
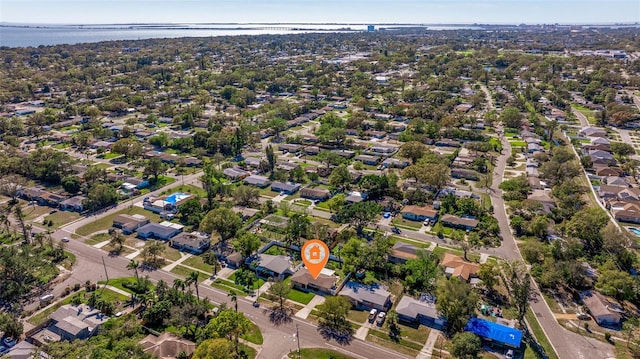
(477, 189)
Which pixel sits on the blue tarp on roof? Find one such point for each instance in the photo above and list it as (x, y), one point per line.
(493, 331)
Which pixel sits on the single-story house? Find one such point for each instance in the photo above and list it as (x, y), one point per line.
(258, 181)
(286, 187)
(167, 345)
(402, 252)
(467, 174)
(312, 150)
(415, 311)
(455, 266)
(190, 242)
(419, 213)
(235, 173)
(129, 223)
(368, 160)
(355, 197)
(272, 266)
(289, 147)
(602, 311)
(606, 171)
(72, 322)
(366, 297)
(381, 150)
(245, 212)
(138, 182)
(73, 204)
(394, 163)
(592, 132)
(315, 193)
(326, 283)
(497, 334)
(253, 162)
(543, 198)
(164, 230)
(450, 220)
(344, 153)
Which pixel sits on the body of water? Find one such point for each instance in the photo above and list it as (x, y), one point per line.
(34, 35)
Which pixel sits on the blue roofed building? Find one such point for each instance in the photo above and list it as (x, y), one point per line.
(495, 334)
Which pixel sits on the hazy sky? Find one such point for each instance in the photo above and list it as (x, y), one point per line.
(355, 11)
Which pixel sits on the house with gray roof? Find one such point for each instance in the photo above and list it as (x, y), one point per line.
(286, 187)
(367, 297)
(190, 242)
(163, 231)
(267, 265)
(258, 181)
(411, 310)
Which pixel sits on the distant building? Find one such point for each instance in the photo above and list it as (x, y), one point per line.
(371, 28)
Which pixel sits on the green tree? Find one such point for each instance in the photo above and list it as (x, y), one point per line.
(333, 317)
(413, 150)
(511, 117)
(297, 227)
(133, 264)
(519, 282)
(246, 243)
(336, 202)
(228, 324)
(190, 212)
(358, 214)
(280, 289)
(456, 302)
(154, 167)
(71, 184)
(223, 221)
(151, 251)
(128, 147)
(246, 195)
(466, 345)
(192, 278)
(615, 283)
(117, 240)
(277, 124)
(219, 348)
(622, 150)
(340, 178)
(10, 325)
(100, 195)
(422, 272)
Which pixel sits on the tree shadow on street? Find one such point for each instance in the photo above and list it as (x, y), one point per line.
(342, 337)
(279, 316)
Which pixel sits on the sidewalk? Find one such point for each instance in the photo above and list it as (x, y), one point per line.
(304, 312)
(170, 266)
(427, 349)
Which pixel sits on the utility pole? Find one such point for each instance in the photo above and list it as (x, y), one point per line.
(105, 274)
(298, 337)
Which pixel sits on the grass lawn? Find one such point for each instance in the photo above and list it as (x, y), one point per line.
(227, 286)
(419, 334)
(267, 192)
(402, 346)
(191, 189)
(358, 316)
(539, 334)
(98, 238)
(184, 271)
(318, 353)
(61, 218)
(403, 223)
(171, 254)
(257, 282)
(117, 282)
(33, 212)
(109, 155)
(198, 262)
(300, 297)
(253, 335)
(517, 143)
(106, 222)
(249, 351)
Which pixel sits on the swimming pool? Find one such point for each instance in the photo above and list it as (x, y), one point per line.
(634, 230)
(176, 197)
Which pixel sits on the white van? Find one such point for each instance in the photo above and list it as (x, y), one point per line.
(46, 298)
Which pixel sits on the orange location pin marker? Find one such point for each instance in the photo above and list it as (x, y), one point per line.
(315, 255)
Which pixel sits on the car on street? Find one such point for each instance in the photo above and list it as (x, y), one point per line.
(387, 214)
(65, 239)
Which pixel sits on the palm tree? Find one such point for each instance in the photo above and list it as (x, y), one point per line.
(117, 240)
(20, 217)
(193, 279)
(39, 238)
(234, 299)
(4, 218)
(179, 284)
(134, 265)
